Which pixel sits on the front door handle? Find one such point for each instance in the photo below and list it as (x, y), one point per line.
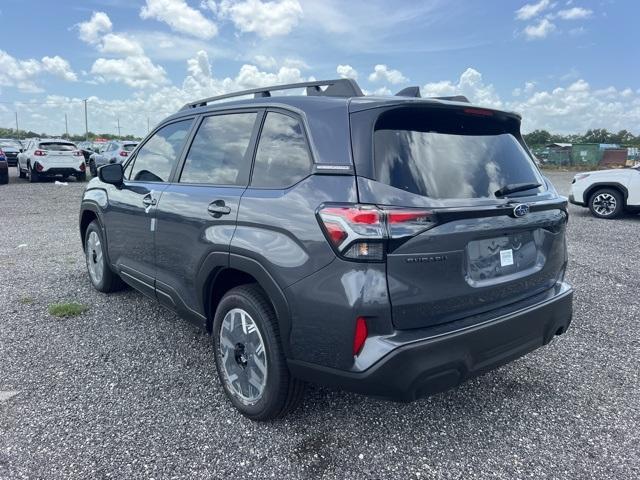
(148, 200)
(218, 208)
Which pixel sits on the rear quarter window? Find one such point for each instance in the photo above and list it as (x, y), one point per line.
(282, 158)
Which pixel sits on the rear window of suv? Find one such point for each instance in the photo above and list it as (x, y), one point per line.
(57, 147)
(449, 154)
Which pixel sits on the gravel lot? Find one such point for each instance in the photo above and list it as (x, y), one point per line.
(128, 390)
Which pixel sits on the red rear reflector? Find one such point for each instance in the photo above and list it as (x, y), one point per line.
(39, 167)
(360, 335)
(478, 111)
(83, 167)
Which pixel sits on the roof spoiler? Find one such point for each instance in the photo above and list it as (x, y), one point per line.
(455, 98)
(341, 87)
(409, 92)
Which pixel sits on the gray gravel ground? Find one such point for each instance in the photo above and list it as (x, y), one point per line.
(128, 390)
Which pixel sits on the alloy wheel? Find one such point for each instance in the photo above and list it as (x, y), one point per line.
(243, 356)
(604, 204)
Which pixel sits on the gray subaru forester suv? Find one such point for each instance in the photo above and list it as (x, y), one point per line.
(392, 246)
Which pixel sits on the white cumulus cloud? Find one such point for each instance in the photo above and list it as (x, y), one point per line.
(180, 17)
(119, 44)
(266, 19)
(575, 13)
(531, 10)
(540, 30)
(382, 73)
(137, 72)
(92, 30)
(347, 71)
(23, 74)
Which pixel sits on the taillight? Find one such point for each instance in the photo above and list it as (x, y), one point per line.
(123, 153)
(39, 167)
(83, 167)
(478, 111)
(77, 153)
(40, 153)
(362, 232)
(360, 335)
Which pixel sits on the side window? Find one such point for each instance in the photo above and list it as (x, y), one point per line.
(282, 158)
(218, 154)
(160, 153)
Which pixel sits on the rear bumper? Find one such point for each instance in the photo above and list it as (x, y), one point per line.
(425, 366)
(66, 171)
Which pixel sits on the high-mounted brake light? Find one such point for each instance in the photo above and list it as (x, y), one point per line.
(478, 111)
(361, 232)
(40, 153)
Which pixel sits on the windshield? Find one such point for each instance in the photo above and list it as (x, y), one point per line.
(9, 144)
(57, 147)
(450, 158)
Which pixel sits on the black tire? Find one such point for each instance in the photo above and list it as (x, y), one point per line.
(108, 281)
(34, 176)
(282, 393)
(4, 178)
(92, 169)
(81, 177)
(606, 203)
(21, 173)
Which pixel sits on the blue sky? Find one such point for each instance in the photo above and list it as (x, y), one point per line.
(564, 65)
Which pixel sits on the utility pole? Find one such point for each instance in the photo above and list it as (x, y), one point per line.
(148, 129)
(118, 127)
(17, 128)
(66, 125)
(86, 122)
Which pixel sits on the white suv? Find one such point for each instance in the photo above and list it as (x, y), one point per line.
(607, 193)
(47, 158)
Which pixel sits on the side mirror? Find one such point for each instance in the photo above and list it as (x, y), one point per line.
(112, 173)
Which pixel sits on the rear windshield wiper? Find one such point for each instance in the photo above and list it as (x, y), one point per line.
(515, 187)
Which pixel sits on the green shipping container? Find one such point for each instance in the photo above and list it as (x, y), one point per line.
(586, 154)
(558, 156)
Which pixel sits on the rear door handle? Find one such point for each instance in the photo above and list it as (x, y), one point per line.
(218, 208)
(148, 200)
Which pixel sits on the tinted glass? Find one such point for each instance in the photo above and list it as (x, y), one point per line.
(57, 147)
(450, 164)
(159, 154)
(282, 158)
(129, 147)
(218, 152)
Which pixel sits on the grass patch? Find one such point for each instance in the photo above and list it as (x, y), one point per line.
(27, 301)
(66, 310)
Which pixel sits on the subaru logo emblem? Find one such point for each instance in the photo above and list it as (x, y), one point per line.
(520, 210)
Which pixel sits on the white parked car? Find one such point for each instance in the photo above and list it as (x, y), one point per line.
(50, 157)
(113, 152)
(607, 193)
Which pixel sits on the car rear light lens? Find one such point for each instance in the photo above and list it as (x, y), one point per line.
(40, 153)
(123, 154)
(360, 335)
(83, 167)
(478, 111)
(39, 167)
(361, 232)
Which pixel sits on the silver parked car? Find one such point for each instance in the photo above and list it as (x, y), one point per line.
(113, 152)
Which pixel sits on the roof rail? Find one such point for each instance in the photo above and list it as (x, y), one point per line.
(341, 87)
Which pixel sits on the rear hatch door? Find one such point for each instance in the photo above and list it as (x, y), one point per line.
(482, 249)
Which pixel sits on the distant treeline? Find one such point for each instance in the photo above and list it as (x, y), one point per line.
(597, 135)
(11, 133)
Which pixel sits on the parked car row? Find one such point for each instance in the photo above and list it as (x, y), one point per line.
(112, 152)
